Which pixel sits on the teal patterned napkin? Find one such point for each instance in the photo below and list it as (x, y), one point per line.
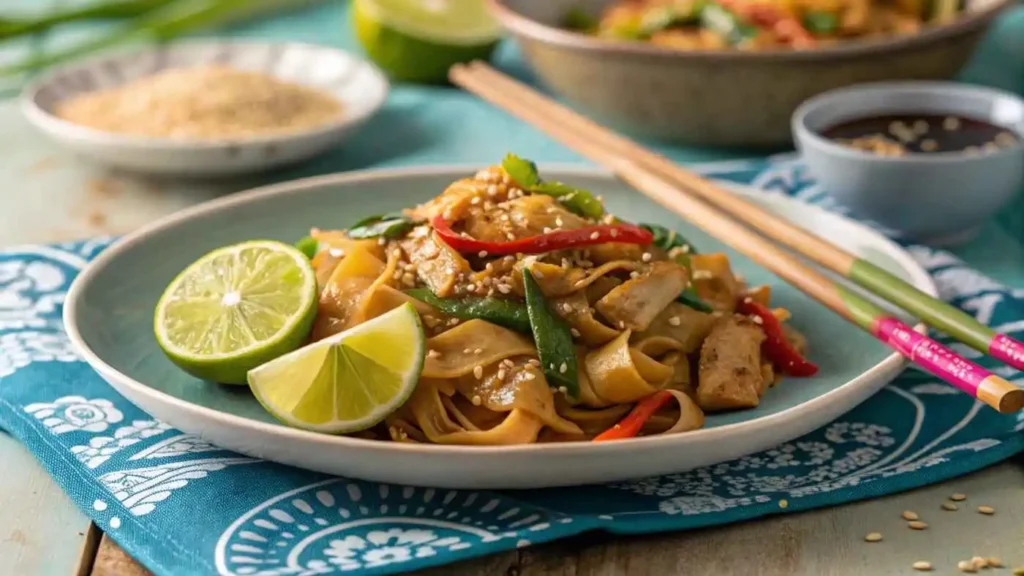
(183, 506)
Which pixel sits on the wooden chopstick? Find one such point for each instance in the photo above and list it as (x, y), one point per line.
(876, 280)
(930, 355)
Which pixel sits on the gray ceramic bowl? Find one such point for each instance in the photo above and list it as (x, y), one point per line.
(720, 98)
(937, 198)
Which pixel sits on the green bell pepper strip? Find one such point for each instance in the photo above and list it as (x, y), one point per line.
(554, 341)
(508, 313)
(821, 23)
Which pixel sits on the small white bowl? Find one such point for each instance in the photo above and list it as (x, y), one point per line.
(360, 86)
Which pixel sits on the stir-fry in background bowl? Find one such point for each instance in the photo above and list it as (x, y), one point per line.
(721, 97)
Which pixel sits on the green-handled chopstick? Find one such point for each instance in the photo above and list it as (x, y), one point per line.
(931, 311)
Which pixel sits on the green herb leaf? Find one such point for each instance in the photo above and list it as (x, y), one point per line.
(308, 246)
(719, 19)
(821, 23)
(522, 171)
(578, 19)
(553, 339)
(668, 239)
(387, 225)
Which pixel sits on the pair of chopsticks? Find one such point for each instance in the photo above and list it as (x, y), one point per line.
(705, 204)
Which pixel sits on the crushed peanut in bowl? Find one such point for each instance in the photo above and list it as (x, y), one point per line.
(211, 102)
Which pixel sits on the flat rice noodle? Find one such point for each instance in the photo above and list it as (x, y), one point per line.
(437, 264)
(587, 396)
(342, 301)
(385, 298)
(454, 203)
(600, 287)
(495, 343)
(612, 251)
(655, 346)
(637, 302)
(714, 281)
(576, 311)
(620, 374)
(338, 240)
(686, 416)
(592, 422)
(431, 415)
(523, 387)
(682, 375)
(522, 217)
(692, 329)
(555, 281)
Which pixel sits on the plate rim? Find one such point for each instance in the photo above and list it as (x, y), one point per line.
(892, 363)
(50, 123)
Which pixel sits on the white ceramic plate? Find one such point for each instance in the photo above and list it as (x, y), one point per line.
(108, 316)
(359, 85)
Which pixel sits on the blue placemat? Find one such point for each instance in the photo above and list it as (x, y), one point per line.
(182, 506)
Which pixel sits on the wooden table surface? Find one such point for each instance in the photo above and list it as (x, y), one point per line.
(48, 196)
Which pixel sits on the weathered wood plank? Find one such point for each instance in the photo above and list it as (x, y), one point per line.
(42, 531)
(111, 560)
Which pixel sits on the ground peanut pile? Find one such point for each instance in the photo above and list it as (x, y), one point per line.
(205, 102)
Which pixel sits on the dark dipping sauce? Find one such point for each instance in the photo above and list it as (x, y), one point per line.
(898, 134)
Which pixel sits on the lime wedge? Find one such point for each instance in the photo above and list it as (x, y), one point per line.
(347, 382)
(237, 308)
(418, 40)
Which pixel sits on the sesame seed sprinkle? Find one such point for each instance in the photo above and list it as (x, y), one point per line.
(873, 537)
(917, 525)
(476, 400)
(562, 369)
(922, 566)
(674, 321)
(949, 506)
(966, 567)
(986, 510)
(958, 497)
(594, 236)
(529, 375)
(478, 372)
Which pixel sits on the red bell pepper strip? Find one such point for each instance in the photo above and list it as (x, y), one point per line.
(558, 240)
(776, 347)
(767, 16)
(630, 426)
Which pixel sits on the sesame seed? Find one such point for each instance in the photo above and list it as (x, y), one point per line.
(476, 400)
(634, 275)
(922, 566)
(467, 350)
(594, 236)
(873, 537)
(475, 200)
(529, 375)
(958, 497)
(551, 366)
(614, 233)
(979, 562)
(510, 236)
(622, 324)
(929, 145)
(986, 510)
(558, 221)
(478, 351)
(1005, 139)
(757, 320)
(537, 273)
(917, 525)
(453, 322)
(646, 257)
(501, 373)
(675, 321)
(563, 389)
(995, 562)
(397, 275)
(504, 288)
(951, 123)
(966, 566)
(482, 254)
(492, 190)
(546, 230)
(950, 506)
(575, 333)
(921, 127)
(433, 354)
(470, 287)
(382, 241)
(533, 362)
(563, 368)
(336, 252)
(408, 278)
(478, 372)
(783, 503)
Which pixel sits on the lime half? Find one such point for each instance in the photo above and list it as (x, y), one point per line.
(347, 382)
(418, 40)
(237, 308)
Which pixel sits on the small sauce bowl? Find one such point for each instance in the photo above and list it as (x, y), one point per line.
(937, 198)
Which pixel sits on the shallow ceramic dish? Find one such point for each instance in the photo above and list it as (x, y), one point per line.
(721, 97)
(937, 198)
(109, 312)
(359, 85)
